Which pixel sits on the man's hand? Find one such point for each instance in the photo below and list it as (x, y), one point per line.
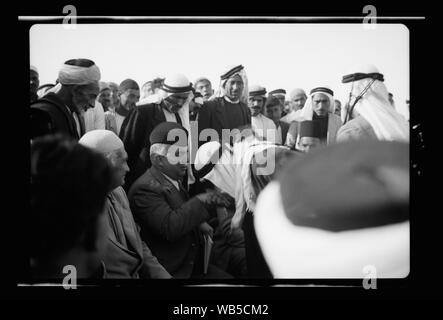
(206, 229)
(213, 198)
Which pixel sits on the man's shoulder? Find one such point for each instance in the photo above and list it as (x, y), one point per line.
(335, 118)
(284, 125)
(46, 103)
(355, 128)
(146, 109)
(147, 182)
(210, 104)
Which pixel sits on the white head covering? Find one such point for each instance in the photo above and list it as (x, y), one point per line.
(232, 172)
(344, 230)
(102, 141)
(374, 106)
(295, 92)
(33, 68)
(222, 174)
(177, 83)
(307, 111)
(78, 75)
(232, 71)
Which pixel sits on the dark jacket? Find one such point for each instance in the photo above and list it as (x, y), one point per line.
(134, 133)
(168, 221)
(284, 130)
(212, 116)
(50, 115)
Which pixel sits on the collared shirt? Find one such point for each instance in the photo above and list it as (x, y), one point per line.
(174, 182)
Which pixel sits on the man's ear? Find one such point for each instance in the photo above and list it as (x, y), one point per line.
(157, 160)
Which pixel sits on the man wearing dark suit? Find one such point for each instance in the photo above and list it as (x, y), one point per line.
(61, 110)
(169, 219)
(140, 122)
(273, 110)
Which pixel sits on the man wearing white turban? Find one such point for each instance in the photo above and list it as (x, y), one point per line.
(126, 255)
(60, 110)
(374, 116)
(170, 103)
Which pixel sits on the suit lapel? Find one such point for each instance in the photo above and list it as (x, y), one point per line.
(176, 197)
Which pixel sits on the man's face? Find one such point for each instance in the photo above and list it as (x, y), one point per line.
(114, 95)
(205, 88)
(85, 95)
(120, 166)
(129, 98)
(256, 105)
(287, 106)
(175, 102)
(308, 143)
(274, 113)
(175, 163)
(281, 98)
(337, 108)
(321, 104)
(105, 98)
(234, 87)
(298, 102)
(34, 81)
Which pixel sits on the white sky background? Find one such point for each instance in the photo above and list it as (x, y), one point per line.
(274, 55)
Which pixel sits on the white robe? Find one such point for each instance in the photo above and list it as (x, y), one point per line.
(264, 128)
(95, 118)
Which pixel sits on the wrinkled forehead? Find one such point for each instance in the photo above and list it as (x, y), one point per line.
(121, 153)
(320, 96)
(91, 88)
(203, 82)
(299, 96)
(235, 78)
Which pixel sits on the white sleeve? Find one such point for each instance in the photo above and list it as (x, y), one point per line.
(99, 116)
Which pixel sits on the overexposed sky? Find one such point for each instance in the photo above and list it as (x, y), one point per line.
(274, 55)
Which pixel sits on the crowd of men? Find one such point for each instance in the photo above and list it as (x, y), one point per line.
(137, 182)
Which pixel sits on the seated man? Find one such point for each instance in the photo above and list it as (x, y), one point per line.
(69, 184)
(127, 256)
(169, 219)
(242, 172)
